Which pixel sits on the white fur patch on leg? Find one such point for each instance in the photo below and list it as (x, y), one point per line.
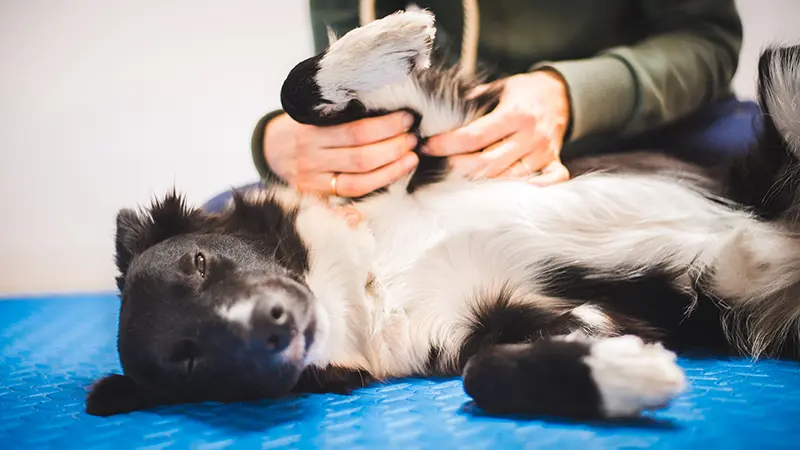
(594, 319)
(375, 55)
(633, 376)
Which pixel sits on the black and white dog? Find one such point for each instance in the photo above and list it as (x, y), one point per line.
(568, 300)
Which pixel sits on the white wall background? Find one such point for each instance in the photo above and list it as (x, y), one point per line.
(104, 104)
(765, 22)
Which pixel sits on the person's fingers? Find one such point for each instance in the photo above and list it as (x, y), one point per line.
(555, 172)
(500, 156)
(541, 152)
(492, 91)
(356, 185)
(472, 137)
(501, 159)
(362, 159)
(365, 131)
(520, 169)
(531, 164)
(478, 90)
(465, 165)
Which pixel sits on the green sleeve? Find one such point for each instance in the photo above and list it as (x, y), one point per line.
(257, 149)
(687, 58)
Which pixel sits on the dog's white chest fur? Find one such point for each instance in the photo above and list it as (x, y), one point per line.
(433, 257)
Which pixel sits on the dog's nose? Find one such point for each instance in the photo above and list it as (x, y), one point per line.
(273, 322)
(281, 311)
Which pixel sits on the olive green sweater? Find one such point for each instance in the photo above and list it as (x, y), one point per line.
(630, 65)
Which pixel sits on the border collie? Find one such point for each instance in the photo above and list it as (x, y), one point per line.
(569, 300)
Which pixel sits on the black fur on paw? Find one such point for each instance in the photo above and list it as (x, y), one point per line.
(120, 394)
(331, 380)
(547, 377)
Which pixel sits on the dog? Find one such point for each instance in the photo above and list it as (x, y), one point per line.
(571, 300)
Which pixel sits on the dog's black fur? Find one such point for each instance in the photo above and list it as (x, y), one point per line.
(178, 265)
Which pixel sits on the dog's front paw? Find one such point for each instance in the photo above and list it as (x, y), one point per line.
(375, 55)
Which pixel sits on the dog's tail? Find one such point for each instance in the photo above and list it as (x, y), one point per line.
(762, 316)
(767, 179)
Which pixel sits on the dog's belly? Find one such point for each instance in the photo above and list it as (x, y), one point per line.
(449, 246)
(602, 220)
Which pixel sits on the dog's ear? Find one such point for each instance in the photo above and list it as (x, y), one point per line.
(138, 232)
(119, 394)
(265, 215)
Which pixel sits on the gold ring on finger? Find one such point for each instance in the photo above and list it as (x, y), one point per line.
(334, 180)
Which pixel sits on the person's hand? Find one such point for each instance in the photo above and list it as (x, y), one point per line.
(523, 135)
(366, 154)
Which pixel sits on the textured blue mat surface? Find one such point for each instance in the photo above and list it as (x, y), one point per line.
(53, 348)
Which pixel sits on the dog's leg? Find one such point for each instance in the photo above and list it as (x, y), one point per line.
(533, 354)
(382, 67)
(574, 377)
(332, 87)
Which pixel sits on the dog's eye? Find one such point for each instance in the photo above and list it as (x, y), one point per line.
(200, 263)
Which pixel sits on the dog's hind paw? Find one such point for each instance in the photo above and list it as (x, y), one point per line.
(633, 376)
(375, 55)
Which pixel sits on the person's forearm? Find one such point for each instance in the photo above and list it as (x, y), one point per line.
(630, 89)
(701, 72)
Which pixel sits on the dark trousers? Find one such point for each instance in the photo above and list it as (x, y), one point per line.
(713, 134)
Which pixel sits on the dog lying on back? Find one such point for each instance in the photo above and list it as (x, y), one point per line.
(568, 300)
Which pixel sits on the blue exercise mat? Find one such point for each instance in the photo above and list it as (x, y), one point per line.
(54, 348)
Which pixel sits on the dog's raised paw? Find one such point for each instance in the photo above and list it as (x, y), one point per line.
(375, 55)
(633, 376)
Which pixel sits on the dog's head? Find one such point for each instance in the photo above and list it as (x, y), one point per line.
(213, 307)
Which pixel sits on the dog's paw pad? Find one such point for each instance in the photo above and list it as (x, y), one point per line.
(633, 376)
